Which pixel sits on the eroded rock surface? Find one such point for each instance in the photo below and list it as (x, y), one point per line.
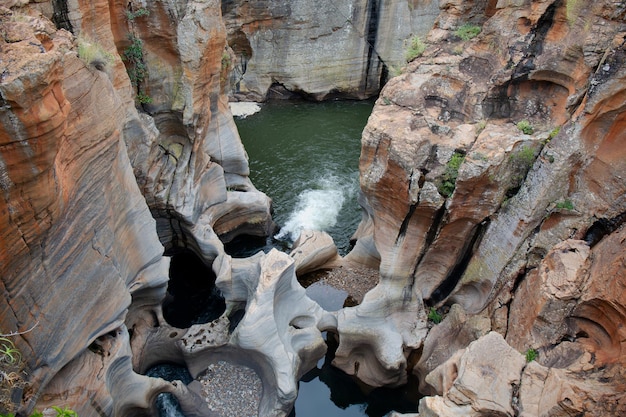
(320, 50)
(464, 205)
(108, 159)
(91, 153)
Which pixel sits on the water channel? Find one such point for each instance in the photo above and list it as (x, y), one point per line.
(305, 157)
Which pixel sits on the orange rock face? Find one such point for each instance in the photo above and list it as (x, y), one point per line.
(60, 260)
(84, 174)
(467, 206)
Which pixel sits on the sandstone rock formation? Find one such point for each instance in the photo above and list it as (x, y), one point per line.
(84, 177)
(319, 50)
(117, 146)
(466, 207)
(62, 264)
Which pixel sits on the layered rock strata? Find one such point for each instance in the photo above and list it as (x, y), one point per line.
(467, 207)
(85, 175)
(116, 145)
(319, 50)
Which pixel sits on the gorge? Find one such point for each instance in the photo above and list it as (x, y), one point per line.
(491, 182)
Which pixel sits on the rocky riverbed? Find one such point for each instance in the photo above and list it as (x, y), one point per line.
(231, 390)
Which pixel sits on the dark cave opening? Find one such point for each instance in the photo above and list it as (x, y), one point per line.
(192, 297)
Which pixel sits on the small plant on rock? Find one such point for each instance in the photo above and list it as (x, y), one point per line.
(136, 67)
(565, 205)
(524, 157)
(8, 352)
(521, 162)
(92, 53)
(480, 126)
(132, 15)
(64, 412)
(448, 179)
(143, 98)
(467, 31)
(525, 127)
(434, 315)
(416, 48)
(531, 355)
(552, 134)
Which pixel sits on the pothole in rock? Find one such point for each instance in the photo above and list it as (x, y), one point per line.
(339, 287)
(192, 297)
(231, 390)
(166, 404)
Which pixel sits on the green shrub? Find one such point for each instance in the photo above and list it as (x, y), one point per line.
(8, 352)
(554, 132)
(143, 98)
(467, 31)
(525, 127)
(565, 204)
(524, 157)
(434, 316)
(136, 67)
(138, 13)
(448, 179)
(394, 70)
(416, 48)
(64, 412)
(522, 160)
(226, 60)
(94, 54)
(133, 56)
(531, 355)
(12, 373)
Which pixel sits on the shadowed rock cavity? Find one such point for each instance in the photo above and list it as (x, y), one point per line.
(192, 297)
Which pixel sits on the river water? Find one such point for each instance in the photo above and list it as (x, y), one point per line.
(305, 156)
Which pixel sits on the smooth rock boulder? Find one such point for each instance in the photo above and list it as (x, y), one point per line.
(278, 335)
(488, 372)
(314, 250)
(444, 340)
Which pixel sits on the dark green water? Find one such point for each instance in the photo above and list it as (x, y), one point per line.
(305, 156)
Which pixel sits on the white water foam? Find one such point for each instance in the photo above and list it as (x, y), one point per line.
(317, 208)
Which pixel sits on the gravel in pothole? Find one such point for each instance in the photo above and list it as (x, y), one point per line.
(231, 390)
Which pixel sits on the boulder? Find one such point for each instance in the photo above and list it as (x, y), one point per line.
(488, 373)
(314, 250)
(279, 334)
(445, 340)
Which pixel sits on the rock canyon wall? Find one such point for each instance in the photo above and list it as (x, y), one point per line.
(512, 227)
(116, 145)
(117, 148)
(320, 50)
